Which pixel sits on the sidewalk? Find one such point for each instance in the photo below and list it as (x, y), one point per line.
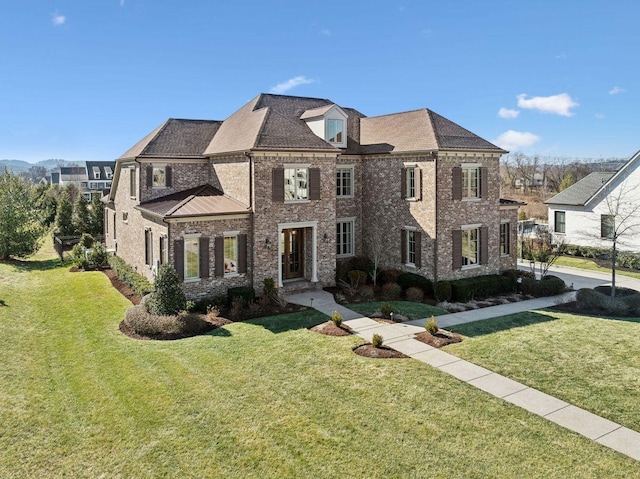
(400, 336)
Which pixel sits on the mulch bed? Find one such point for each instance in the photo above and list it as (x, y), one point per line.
(368, 351)
(214, 323)
(121, 286)
(574, 308)
(440, 339)
(330, 329)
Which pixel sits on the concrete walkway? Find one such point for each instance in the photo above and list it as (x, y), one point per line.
(400, 336)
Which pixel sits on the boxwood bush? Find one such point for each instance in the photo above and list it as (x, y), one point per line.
(247, 293)
(464, 290)
(547, 286)
(412, 280)
(138, 283)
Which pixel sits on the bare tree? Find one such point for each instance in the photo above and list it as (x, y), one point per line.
(545, 249)
(376, 243)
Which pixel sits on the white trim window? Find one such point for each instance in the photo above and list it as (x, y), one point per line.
(108, 172)
(96, 172)
(505, 237)
(231, 253)
(470, 181)
(410, 193)
(344, 181)
(345, 244)
(470, 247)
(191, 258)
(159, 177)
(335, 131)
(133, 183)
(560, 222)
(148, 247)
(411, 247)
(164, 249)
(296, 184)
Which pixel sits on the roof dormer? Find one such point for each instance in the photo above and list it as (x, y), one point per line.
(329, 122)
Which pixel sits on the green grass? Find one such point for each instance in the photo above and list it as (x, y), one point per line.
(407, 308)
(591, 265)
(264, 398)
(592, 362)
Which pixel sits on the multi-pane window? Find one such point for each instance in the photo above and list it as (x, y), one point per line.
(504, 238)
(470, 250)
(296, 185)
(96, 172)
(335, 131)
(159, 176)
(132, 182)
(411, 247)
(559, 222)
(230, 255)
(191, 258)
(344, 238)
(148, 247)
(344, 182)
(607, 226)
(164, 250)
(411, 183)
(471, 182)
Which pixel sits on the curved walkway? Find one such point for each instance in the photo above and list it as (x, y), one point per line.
(400, 336)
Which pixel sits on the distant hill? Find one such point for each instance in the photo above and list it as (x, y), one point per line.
(19, 166)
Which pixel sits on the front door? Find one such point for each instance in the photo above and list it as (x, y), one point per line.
(292, 243)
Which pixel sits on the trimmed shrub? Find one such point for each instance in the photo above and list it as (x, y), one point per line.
(620, 291)
(269, 288)
(412, 280)
(386, 309)
(98, 256)
(464, 290)
(431, 325)
(391, 291)
(633, 302)
(415, 294)
(366, 292)
(443, 291)
(167, 297)
(390, 275)
(596, 301)
(78, 258)
(140, 321)
(357, 277)
(361, 263)
(246, 293)
(336, 318)
(377, 340)
(138, 283)
(547, 286)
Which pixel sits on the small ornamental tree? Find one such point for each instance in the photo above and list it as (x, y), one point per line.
(167, 297)
(97, 216)
(64, 216)
(81, 218)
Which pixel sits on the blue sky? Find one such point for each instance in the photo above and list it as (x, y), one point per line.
(85, 80)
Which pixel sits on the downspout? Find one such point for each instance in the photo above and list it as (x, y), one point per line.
(247, 154)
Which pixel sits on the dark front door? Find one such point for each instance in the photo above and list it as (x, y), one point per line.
(292, 253)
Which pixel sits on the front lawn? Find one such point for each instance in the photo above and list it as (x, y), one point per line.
(591, 362)
(263, 398)
(592, 265)
(407, 308)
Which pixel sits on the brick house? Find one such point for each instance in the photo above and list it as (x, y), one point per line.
(287, 186)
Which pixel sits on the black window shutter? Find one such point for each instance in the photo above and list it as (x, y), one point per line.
(403, 183)
(403, 246)
(419, 184)
(314, 183)
(484, 245)
(242, 253)
(204, 257)
(167, 176)
(418, 239)
(456, 253)
(178, 258)
(219, 252)
(484, 182)
(456, 186)
(277, 185)
(149, 176)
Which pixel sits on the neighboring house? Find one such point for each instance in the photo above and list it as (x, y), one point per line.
(538, 180)
(589, 211)
(94, 178)
(287, 186)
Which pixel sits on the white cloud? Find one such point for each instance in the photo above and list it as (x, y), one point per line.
(326, 32)
(599, 116)
(615, 90)
(57, 19)
(557, 104)
(291, 83)
(506, 113)
(515, 140)
(561, 56)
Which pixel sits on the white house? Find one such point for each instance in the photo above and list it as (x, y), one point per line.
(598, 207)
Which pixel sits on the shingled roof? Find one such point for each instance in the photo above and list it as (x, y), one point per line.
(204, 200)
(175, 138)
(582, 191)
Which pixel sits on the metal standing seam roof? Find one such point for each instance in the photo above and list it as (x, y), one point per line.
(204, 200)
(582, 191)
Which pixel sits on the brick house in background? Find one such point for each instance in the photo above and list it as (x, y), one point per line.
(288, 186)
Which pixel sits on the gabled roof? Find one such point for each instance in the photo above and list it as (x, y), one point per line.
(203, 200)
(582, 191)
(418, 130)
(175, 138)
